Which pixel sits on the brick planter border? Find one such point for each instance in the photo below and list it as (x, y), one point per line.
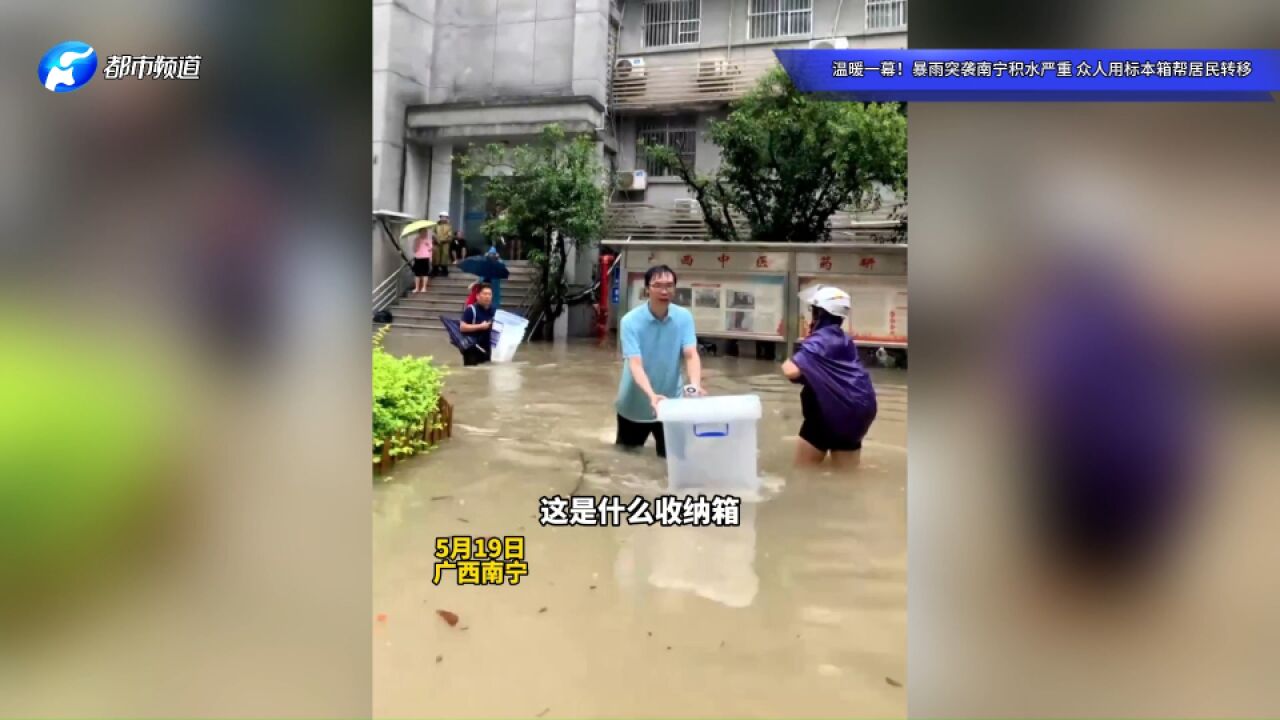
(443, 415)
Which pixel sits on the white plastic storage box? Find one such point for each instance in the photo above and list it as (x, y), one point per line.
(508, 330)
(711, 442)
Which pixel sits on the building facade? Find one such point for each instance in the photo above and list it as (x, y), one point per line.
(450, 73)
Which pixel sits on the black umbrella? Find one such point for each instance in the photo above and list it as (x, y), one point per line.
(454, 328)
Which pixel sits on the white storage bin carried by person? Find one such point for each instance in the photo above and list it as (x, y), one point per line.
(712, 442)
(506, 335)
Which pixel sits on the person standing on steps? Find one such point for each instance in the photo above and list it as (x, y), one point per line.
(655, 337)
(458, 250)
(444, 243)
(423, 248)
(496, 283)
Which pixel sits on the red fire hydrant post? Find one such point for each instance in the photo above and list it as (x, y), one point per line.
(602, 309)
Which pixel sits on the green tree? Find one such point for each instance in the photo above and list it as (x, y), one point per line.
(549, 193)
(789, 161)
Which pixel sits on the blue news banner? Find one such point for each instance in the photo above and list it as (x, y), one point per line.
(1036, 75)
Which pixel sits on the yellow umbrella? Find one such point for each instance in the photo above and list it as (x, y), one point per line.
(415, 226)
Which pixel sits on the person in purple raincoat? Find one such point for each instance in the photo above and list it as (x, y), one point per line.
(837, 399)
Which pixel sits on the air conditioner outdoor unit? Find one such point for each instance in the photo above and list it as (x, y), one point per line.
(686, 206)
(833, 43)
(632, 180)
(628, 68)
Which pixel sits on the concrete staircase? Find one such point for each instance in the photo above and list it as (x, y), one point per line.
(447, 296)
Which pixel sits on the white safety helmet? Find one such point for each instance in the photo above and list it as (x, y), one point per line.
(832, 299)
(444, 214)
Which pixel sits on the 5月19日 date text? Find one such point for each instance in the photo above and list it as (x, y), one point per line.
(481, 560)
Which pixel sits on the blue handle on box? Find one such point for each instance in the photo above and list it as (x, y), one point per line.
(712, 433)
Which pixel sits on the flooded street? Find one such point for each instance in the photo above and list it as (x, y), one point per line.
(798, 612)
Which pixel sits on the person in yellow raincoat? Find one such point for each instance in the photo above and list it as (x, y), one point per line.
(443, 234)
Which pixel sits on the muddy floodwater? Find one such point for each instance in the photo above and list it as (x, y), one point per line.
(798, 612)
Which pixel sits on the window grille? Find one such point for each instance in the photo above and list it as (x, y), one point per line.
(886, 14)
(779, 18)
(679, 134)
(672, 22)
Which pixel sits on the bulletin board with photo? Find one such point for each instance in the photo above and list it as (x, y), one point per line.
(878, 312)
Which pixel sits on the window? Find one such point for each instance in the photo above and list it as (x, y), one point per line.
(886, 14)
(678, 133)
(671, 22)
(779, 18)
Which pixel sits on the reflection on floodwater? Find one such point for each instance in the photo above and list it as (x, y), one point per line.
(715, 563)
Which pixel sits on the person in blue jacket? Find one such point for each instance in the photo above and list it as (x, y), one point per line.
(495, 283)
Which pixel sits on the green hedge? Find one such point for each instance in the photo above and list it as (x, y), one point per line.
(406, 390)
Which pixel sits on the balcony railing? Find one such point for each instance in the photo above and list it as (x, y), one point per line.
(638, 221)
(663, 83)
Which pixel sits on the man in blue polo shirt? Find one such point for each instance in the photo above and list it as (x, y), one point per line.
(655, 336)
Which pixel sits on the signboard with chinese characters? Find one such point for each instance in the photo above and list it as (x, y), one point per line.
(726, 305)
(878, 312)
(684, 260)
(869, 262)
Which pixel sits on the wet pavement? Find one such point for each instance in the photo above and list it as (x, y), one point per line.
(798, 612)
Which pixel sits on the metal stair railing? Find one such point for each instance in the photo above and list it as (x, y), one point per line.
(392, 287)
